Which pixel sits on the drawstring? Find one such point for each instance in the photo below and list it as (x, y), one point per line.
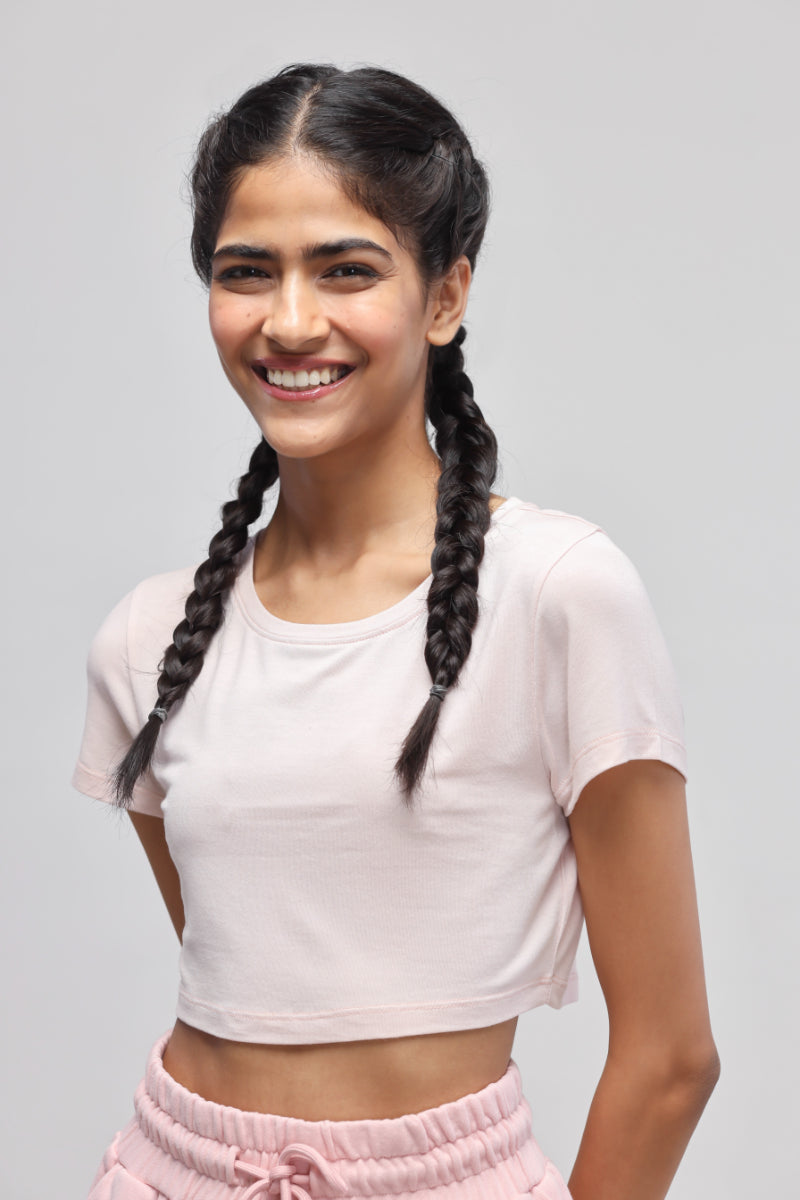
(286, 1176)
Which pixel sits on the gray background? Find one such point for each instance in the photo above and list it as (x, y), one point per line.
(633, 335)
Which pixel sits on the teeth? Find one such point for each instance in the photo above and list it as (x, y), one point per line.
(305, 379)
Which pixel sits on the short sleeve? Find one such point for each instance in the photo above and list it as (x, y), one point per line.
(114, 715)
(605, 686)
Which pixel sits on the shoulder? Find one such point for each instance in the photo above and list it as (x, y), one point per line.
(564, 562)
(537, 540)
(140, 625)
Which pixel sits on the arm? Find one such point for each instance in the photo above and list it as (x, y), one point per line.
(151, 835)
(631, 839)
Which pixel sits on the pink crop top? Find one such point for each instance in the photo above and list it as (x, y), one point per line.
(318, 908)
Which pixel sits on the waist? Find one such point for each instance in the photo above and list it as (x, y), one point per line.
(340, 1081)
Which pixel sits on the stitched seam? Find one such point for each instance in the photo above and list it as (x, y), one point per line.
(540, 730)
(545, 981)
(333, 640)
(619, 735)
(344, 639)
(105, 779)
(562, 916)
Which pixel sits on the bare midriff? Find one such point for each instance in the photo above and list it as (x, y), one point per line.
(340, 1081)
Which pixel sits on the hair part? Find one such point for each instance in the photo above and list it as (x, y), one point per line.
(395, 150)
(399, 154)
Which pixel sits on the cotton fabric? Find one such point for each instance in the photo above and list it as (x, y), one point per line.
(318, 908)
(180, 1146)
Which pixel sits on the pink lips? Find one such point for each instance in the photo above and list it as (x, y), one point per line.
(298, 364)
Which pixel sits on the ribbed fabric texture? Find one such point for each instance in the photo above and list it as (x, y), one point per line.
(318, 908)
(182, 1147)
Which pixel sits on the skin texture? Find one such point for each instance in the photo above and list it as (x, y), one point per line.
(352, 534)
(631, 837)
(357, 472)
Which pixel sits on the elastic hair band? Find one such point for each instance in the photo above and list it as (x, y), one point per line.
(438, 690)
(161, 713)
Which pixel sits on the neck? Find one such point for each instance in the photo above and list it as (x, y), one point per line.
(331, 513)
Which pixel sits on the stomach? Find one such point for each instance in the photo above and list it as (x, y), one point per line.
(340, 1081)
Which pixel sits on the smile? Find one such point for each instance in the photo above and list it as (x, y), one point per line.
(307, 384)
(302, 379)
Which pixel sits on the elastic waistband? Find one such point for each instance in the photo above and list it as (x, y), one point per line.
(485, 1133)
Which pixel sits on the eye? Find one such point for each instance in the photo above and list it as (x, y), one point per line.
(242, 271)
(352, 271)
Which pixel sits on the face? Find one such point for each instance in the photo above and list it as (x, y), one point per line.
(319, 315)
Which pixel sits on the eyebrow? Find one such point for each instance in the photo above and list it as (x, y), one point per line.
(318, 250)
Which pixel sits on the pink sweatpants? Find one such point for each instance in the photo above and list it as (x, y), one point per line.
(180, 1146)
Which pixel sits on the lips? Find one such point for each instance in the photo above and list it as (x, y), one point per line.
(302, 378)
(305, 379)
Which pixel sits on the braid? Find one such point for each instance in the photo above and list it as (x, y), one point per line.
(183, 658)
(467, 448)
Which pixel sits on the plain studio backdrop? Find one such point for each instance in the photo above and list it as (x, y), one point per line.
(633, 342)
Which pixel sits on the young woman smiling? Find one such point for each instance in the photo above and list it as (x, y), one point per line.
(402, 738)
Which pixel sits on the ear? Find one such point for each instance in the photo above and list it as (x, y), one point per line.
(449, 300)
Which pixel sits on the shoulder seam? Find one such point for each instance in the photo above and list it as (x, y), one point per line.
(536, 706)
(557, 512)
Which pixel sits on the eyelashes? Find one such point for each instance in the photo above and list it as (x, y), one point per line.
(244, 272)
(239, 273)
(354, 270)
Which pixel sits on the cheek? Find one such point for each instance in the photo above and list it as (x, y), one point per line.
(392, 332)
(229, 323)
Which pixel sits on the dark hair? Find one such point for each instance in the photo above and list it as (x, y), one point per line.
(397, 152)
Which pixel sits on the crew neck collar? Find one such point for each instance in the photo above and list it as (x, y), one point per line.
(266, 623)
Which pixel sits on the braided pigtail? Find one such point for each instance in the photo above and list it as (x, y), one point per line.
(467, 448)
(402, 156)
(183, 659)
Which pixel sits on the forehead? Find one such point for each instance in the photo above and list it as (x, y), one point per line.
(294, 201)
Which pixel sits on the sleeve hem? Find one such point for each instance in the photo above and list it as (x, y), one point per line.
(97, 787)
(614, 750)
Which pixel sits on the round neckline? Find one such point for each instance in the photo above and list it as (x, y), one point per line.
(260, 618)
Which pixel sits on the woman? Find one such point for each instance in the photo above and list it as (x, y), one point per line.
(394, 733)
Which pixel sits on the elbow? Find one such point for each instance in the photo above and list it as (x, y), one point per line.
(703, 1072)
(689, 1077)
(678, 1079)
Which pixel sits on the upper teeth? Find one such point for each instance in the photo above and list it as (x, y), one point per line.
(302, 379)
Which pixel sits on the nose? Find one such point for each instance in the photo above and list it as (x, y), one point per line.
(295, 317)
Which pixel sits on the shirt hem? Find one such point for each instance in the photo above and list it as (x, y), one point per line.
(379, 1022)
(99, 787)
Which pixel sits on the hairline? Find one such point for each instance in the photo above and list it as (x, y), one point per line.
(292, 148)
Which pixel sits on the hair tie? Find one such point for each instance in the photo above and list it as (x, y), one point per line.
(161, 713)
(438, 690)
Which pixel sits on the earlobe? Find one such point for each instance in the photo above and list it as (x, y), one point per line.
(450, 303)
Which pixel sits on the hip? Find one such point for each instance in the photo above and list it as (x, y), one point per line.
(179, 1144)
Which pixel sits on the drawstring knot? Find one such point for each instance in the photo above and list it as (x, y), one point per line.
(288, 1177)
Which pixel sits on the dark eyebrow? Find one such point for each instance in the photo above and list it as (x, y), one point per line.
(318, 250)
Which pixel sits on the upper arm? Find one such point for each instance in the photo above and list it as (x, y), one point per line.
(119, 694)
(151, 834)
(604, 685)
(631, 838)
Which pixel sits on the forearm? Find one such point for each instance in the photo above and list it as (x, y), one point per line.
(638, 1127)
